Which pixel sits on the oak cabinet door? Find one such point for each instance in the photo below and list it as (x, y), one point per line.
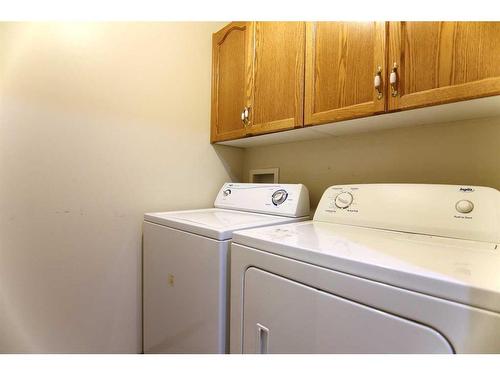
(230, 80)
(342, 60)
(278, 77)
(440, 62)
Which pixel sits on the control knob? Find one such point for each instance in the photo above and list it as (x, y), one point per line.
(343, 200)
(279, 196)
(464, 206)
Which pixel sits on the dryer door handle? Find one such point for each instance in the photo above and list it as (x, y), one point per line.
(262, 339)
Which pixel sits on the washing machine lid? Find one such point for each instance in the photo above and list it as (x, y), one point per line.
(215, 223)
(458, 270)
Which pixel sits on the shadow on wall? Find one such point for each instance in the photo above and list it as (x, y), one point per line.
(232, 160)
(454, 153)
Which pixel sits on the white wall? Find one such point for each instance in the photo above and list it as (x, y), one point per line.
(98, 124)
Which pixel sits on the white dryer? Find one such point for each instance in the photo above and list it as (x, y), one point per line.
(185, 264)
(382, 268)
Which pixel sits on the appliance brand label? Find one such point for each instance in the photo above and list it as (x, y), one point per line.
(466, 189)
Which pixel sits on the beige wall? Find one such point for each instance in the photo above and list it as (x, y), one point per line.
(457, 153)
(98, 124)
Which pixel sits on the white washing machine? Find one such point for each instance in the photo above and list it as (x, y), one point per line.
(382, 268)
(185, 264)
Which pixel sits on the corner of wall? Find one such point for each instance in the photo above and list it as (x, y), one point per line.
(232, 160)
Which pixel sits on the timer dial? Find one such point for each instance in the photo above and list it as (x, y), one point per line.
(343, 200)
(279, 196)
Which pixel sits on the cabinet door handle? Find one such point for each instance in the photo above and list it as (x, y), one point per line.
(393, 79)
(247, 114)
(243, 116)
(377, 83)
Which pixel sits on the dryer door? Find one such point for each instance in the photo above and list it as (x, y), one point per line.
(283, 316)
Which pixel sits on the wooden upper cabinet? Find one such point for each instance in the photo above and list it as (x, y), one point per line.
(277, 90)
(273, 76)
(342, 60)
(230, 79)
(439, 62)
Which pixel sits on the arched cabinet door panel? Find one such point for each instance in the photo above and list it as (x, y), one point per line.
(231, 64)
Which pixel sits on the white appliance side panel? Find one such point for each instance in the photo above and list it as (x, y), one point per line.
(283, 316)
(184, 292)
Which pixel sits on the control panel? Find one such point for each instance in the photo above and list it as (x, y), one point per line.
(290, 200)
(466, 212)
